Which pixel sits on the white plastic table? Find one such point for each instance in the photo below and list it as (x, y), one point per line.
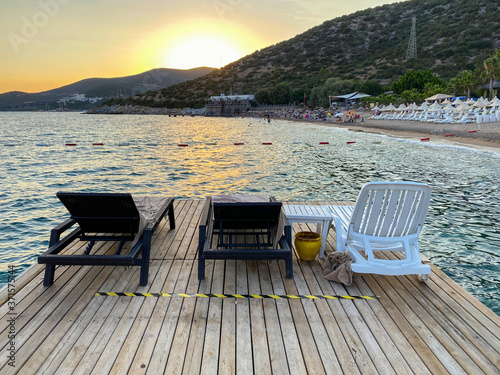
(311, 214)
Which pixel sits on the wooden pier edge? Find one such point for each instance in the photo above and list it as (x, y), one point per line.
(425, 328)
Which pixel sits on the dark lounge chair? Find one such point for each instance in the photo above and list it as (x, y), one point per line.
(106, 217)
(235, 229)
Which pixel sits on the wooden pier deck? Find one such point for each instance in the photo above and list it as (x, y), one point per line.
(414, 328)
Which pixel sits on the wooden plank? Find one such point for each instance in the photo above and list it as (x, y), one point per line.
(463, 328)
(164, 242)
(54, 349)
(322, 344)
(147, 344)
(32, 311)
(195, 347)
(337, 345)
(280, 326)
(227, 355)
(130, 314)
(440, 323)
(87, 349)
(47, 324)
(419, 322)
(244, 359)
(210, 362)
(411, 356)
(354, 339)
(189, 246)
(166, 334)
(260, 342)
(123, 361)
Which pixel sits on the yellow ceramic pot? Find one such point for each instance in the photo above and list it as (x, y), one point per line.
(307, 245)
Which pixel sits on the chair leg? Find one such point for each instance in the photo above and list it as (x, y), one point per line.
(171, 217)
(289, 268)
(146, 246)
(201, 268)
(48, 279)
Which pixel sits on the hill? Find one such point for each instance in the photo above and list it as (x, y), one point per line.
(103, 87)
(366, 45)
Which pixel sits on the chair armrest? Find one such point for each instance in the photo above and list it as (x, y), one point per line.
(206, 216)
(56, 244)
(340, 234)
(55, 233)
(168, 205)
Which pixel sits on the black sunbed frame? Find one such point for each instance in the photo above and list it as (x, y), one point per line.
(102, 217)
(243, 219)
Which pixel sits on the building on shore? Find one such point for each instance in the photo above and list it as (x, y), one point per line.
(228, 105)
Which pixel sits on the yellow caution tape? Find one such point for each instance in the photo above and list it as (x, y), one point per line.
(216, 295)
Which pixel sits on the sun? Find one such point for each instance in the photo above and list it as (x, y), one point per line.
(194, 43)
(198, 50)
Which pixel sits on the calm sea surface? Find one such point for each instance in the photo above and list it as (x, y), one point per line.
(140, 155)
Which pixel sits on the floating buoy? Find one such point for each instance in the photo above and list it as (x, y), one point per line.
(124, 144)
(425, 139)
(211, 143)
(324, 143)
(350, 142)
(70, 144)
(472, 131)
(267, 143)
(97, 144)
(42, 144)
(182, 145)
(449, 135)
(239, 143)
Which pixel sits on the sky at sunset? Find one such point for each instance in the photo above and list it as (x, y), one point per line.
(46, 44)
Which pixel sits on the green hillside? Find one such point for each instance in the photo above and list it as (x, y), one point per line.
(369, 45)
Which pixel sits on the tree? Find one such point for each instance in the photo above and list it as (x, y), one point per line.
(372, 87)
(262, 96)
(281, 93)
(332, 86)
(492, 69)
(466, 80)
(415, 79)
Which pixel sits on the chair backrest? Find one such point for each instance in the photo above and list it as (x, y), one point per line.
(247, 215)
(102, 212)
(390, 209)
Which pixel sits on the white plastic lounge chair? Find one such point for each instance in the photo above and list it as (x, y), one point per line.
(387, 216)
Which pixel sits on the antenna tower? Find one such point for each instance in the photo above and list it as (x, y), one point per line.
(411, 52)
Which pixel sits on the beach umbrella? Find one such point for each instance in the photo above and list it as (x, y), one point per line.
(494, 103)
(423, 107)
(376, 108)
(449, 107)
(446, 101)
(438, 97)
(435, 107)
(481, 102)
(463, 107)
(470, 101)
(401, 107)
(390, 107)
(457, 102)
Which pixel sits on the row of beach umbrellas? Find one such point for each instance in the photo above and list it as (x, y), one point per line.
(456, 105)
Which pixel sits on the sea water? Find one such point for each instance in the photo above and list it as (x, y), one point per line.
(141, 155)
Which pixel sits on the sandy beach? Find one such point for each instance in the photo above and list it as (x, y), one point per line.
(484, 135)
(487, 135)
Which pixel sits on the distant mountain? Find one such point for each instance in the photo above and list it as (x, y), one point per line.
(103, 87)
(366, 45)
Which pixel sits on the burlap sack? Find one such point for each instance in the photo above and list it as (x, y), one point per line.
(337, 267)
